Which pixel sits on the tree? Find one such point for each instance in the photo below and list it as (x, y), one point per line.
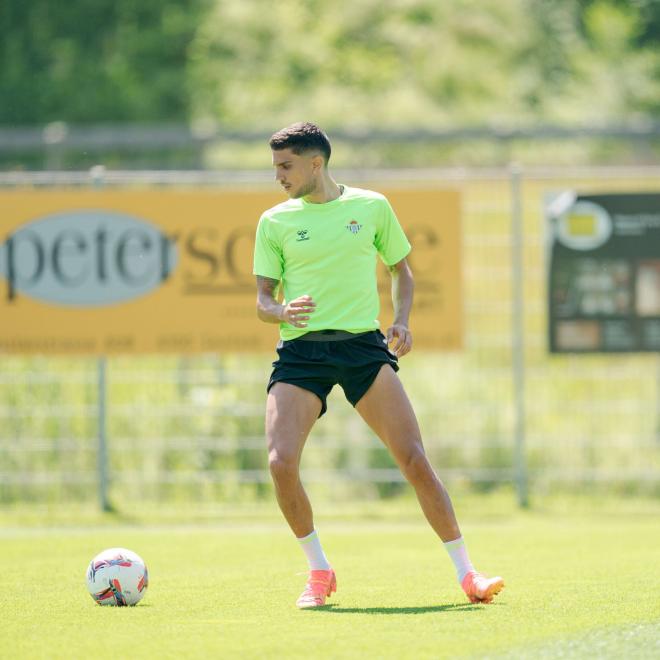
(402, 63)
(96, 60)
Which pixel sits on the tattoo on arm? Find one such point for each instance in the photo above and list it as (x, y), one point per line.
(267, 285)
(268, 309)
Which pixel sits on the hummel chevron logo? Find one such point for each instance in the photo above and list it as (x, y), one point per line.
(353, 227)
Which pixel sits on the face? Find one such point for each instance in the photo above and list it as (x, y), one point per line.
(297, 173)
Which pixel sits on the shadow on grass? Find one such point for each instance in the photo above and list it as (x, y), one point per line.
(423, 609)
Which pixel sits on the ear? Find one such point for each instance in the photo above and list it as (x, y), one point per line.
(317, 163)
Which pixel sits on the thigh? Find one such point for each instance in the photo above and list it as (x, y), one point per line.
(290, 414)
(388, 411)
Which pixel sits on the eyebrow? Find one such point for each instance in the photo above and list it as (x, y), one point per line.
(284, 162)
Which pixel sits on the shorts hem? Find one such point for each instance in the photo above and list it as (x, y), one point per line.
(370, 381)
(302, 386)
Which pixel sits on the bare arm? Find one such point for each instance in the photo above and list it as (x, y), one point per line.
(268, 309)
(403, 287)
(295, 313)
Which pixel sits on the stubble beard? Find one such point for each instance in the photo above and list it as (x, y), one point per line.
(304, 190)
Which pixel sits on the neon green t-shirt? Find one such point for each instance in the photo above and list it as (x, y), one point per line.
(328, 251)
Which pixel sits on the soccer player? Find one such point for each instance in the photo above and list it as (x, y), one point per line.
(321, 246)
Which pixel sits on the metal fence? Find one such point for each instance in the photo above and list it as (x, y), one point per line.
(502, 410)
(62, 146)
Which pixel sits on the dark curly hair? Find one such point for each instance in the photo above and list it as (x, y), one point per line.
(302, 137)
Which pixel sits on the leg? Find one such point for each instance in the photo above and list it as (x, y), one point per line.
(387, 410)
(290, 414)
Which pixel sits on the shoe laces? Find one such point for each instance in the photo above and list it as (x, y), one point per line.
(316, 587)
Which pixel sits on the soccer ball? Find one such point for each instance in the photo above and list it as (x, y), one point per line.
(117, 577)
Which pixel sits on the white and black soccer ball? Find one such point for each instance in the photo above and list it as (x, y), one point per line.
(118, 577)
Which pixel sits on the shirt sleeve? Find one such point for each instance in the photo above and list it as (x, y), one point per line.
(391, 241)
(268, 258)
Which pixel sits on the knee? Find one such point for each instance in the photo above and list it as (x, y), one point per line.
(417, 469)
(283, 467)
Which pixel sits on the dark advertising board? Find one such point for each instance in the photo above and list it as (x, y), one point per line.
(604, 272)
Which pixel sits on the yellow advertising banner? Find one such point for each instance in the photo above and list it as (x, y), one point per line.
(117, 272)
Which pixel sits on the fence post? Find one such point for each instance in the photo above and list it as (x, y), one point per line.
(54, 137)
(102, 449)
(97, 174)
(518, 333)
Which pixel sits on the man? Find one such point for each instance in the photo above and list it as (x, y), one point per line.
(321, 246)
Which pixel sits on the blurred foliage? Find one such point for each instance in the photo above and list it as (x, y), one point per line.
(384, 63)
(96, 60)
(418, 63)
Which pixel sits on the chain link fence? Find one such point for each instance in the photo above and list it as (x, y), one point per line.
(502, 410)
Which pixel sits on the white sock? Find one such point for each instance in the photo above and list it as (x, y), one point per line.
(459, 555)
(315, 556)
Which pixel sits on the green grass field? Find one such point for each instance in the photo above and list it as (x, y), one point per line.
(579, 585)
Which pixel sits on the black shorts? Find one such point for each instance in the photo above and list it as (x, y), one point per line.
(316, 364)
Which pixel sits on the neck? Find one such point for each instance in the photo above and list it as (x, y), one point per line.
(326, 190)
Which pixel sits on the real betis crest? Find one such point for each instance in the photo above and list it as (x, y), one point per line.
(353, 226)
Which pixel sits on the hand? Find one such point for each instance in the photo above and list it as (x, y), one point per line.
(403, 337)
(297, 312)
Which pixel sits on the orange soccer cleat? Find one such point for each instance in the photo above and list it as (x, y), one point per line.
(320, 585)
(480, 589)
